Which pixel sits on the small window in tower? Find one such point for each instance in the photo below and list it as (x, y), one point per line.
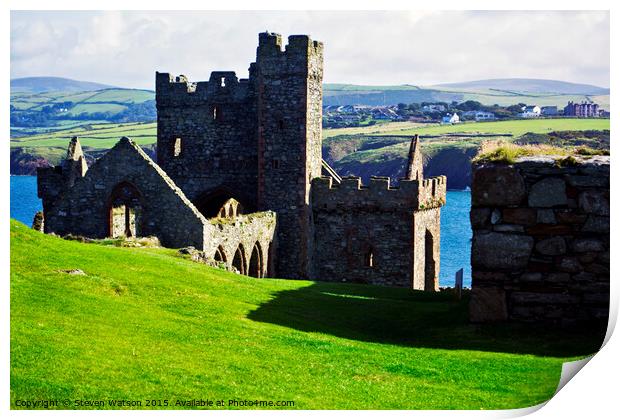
(281, 124)
(368, 258)
(217, 113)
(176, 151)
(275, 164)
(223, 82)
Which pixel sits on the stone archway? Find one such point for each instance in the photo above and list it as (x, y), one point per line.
(256, 262)
(220, 255)
(239, 260)
(125, 211)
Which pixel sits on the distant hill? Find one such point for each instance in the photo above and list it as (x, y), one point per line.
(53, 84)
(489, 92)
(528, 85)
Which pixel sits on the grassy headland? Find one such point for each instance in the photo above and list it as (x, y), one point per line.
(148, 324)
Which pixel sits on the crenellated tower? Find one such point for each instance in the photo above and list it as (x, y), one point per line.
(289, 108)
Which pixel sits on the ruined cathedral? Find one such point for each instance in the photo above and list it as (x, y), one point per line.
(239, 175)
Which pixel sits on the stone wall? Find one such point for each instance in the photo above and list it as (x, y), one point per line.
(247, 237)
(540, 248)
(207, 136)
(376, 234)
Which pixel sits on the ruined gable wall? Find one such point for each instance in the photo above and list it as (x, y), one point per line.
(352, 220)
(166, 212)
(215, 149)
(540, 249)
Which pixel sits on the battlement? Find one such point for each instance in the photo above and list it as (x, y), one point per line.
(409, 195)
(270, 43)
(432, 192)
(222, 86)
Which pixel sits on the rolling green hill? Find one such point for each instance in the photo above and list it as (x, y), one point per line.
(147, 324)
(528, 85)
(53, 84)
(519, 91)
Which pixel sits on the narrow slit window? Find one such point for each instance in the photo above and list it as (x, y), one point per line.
(275, 164)
(281, 124)
(176, 150)
(223, 82)
(369, 258)
(215, 113)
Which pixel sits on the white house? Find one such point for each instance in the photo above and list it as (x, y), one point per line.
(450, 119)
(531, 111)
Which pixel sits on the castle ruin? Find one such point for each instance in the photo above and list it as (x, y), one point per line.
(239, 175)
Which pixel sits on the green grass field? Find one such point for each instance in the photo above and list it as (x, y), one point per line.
(147, 324)
(104, 136)
(513, 127)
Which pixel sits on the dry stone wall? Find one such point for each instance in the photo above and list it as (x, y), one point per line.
(540, 248)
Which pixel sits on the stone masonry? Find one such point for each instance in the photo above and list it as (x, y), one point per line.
(540, 248)
(236, 155)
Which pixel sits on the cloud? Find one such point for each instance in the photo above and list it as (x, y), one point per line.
(364, 47)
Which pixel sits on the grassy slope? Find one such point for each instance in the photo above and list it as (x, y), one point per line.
(106, 135)
(148, 324)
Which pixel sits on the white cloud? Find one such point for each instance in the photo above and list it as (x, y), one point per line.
(126, 48)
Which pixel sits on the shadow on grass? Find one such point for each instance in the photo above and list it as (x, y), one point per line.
(415, 319)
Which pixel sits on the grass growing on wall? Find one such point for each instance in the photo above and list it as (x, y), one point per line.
(147, 324)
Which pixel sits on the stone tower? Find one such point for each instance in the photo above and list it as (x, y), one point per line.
(289, 88)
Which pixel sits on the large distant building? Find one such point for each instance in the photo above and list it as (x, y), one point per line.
(582, 110)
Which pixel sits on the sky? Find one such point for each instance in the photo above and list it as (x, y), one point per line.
(361, 47)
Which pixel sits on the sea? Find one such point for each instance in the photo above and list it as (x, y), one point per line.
(455, 227)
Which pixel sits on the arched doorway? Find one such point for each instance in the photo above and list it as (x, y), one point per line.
(220, 255)
(256, 262)
(218, 203)
(239, 260)
(125, 211)
(430, 275)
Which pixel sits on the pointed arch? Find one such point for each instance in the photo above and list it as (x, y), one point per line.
(239, 260)
(220, 255)
(256, 262)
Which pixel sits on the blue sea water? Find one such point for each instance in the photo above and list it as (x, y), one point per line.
(455, 228)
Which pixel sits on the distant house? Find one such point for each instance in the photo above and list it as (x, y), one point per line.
(530, 111)
(582, 110)
(549, 111)
(450, 119)
(603, 114)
